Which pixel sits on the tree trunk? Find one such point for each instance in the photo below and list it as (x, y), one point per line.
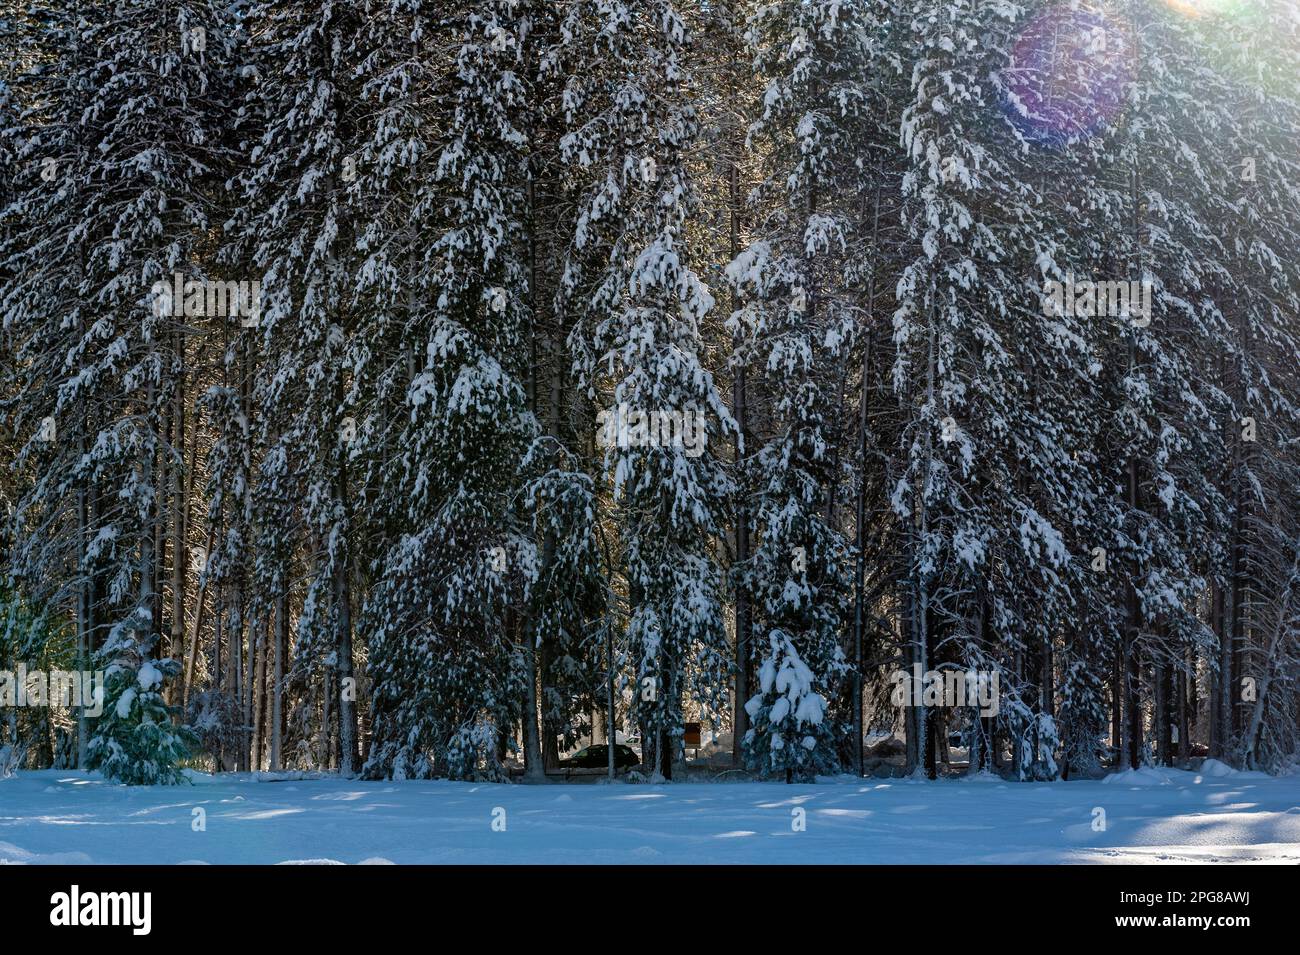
(534, 768)
(1117, 705)
(860, 515)
(1226, 681)
(611, 724)
(218, 673)
(277, 688)
(259, 697)
(85, 606)
(343, 642)
(179, 522)
(744, 621)
(190, 664)
(148, 607)
(1181, 683)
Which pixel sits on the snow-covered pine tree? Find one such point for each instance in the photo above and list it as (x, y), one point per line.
(724, 168)
(570, 641)
(135, 740)
(638, 351)
(1251, 62)
(954, 186)
(121, 153)
(1160, 433)
(990, 479)
(800, 281)
(448, 683)
(294, 230)
(41, 265)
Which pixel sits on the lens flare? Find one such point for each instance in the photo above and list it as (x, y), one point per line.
(1206, 8)
(1067, 75)
(1243, 41)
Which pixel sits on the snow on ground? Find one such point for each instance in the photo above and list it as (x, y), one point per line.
(1157, 816)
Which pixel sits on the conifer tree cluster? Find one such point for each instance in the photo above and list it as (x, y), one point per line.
(419, 388)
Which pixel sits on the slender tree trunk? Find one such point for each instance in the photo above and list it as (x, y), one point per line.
(1216, 684)
(158, 520)
(611, 724)
(179, 520)
(1160, 716)
(534, 768)
(1240, 645)
(327, 719)
(860, 529)
(911, 738)
(343, 604)
(259, 695)
(148, 608)
(249, 703)
(1117, 705)
(277, 688)
(1227, 679)
(546, 677)
(534, 765)
(86, 600)
(1182, 680)
(190, 664)
(744, 619)
(235, 663)
(218, 672)
(1017, 741)
(1134, 708)
(922, 610)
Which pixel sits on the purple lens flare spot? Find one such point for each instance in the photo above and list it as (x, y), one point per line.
(1067, 75)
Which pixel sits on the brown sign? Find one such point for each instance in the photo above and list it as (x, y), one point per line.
(692, 737)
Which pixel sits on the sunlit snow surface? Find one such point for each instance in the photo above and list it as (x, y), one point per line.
(1151, 816)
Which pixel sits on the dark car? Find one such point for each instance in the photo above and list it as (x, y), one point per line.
(597, 757)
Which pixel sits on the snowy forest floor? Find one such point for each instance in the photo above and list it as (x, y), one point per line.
(1151, 816)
